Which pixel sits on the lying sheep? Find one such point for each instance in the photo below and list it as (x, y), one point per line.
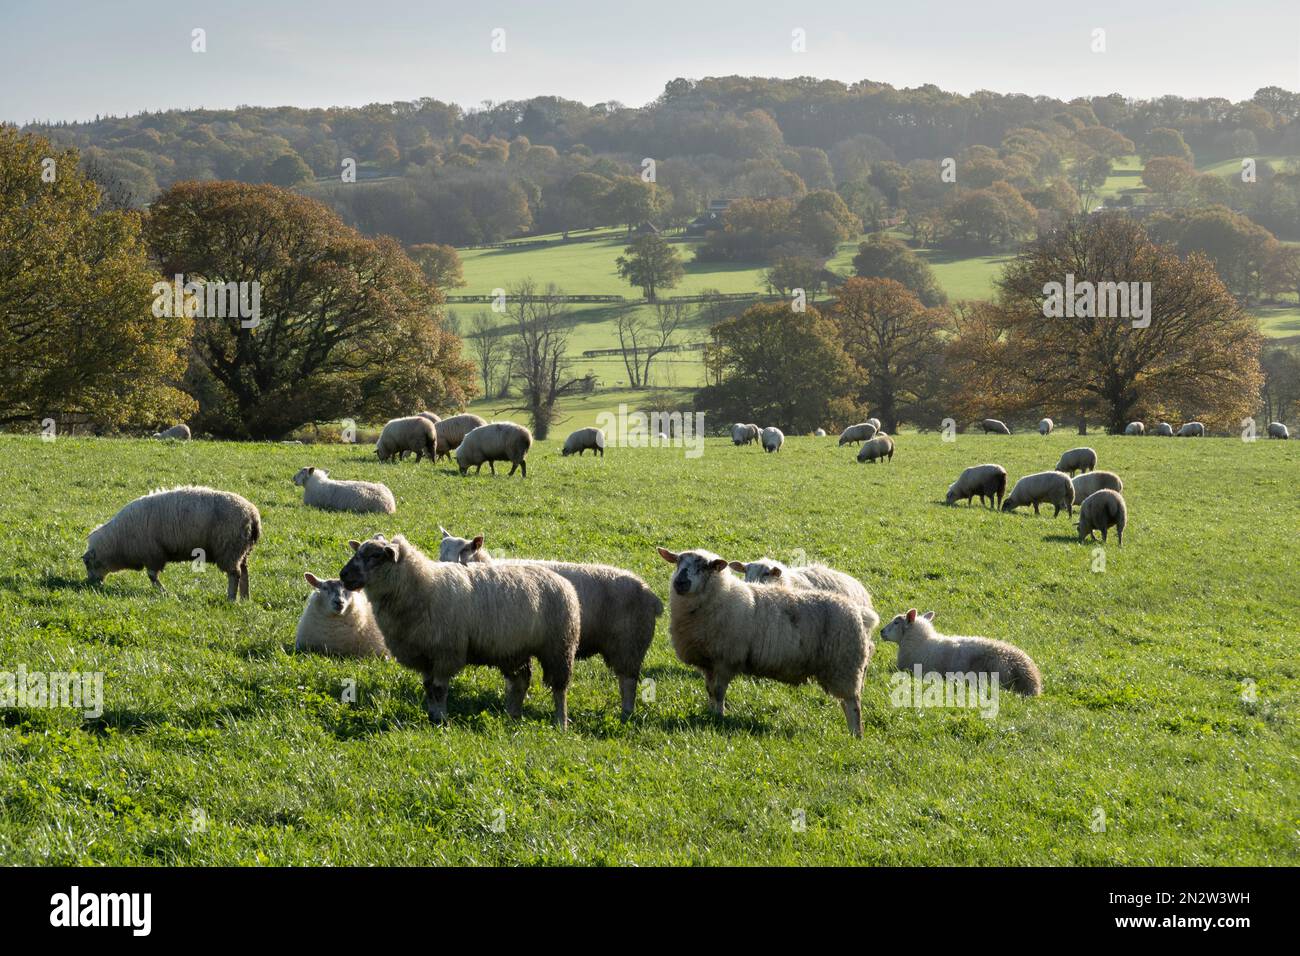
(1135, 428)
(1099, 511)
(499, 441)
(319, 490)
(724, 627)
(438, 618)
(874, 423)
(773, 438)
(179, 432)
(995, 426)
(882, 446)
(401, 435)
(819, 433)
(1085, 485)
(863, 431)
(1045, 426)
(919, 643)
(189, 523)
(584, 438)
(987, 481)
(1164, 430)
(812, 577)
(1077, 459)
(1044, 487)
(1192, 430)
(337, 621)
(1278, 430)
(450, 432)
(617, 608)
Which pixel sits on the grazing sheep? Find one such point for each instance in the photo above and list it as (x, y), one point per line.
(1085, 485)
(450, 432)
(432, 416)
(919, 643)
(724, 627)
(742, 434)
(874, 422)
(1099, 511)
(819, 433)
(337, 621)
(581, 440)
(438, 618)
(882, 446)
(1192, 430)
(773, 438)
(1077, 459)
(1164, 430)
(1044, 487)
(401, 435)
(1135, 428)
(1278, 430)
(618, 609)
(184, 524)
(987, 481)
(863, 431)
(499, 441)
(1045, 426)
(321, 491)
(995, 426)
(813, 577)
(179, 432)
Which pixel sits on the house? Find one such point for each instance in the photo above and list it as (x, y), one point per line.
(710, 219)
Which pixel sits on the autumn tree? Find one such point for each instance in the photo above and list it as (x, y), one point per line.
(651, 263)
(440, 264)
(1167, 175)
(883, 257)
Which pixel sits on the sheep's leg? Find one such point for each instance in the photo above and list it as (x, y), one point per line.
(561, 697)
(491, 466)
(232, 584)
(853, 714)
(435, 698)
(1035, 507)
(523, 469)
(513, 466)
(716, 683)
(517, 689)
(243, 579)
(153, 578)
(627, 690)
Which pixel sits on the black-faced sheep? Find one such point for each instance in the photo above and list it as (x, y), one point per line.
(583, 439)
(995, 426)
(773, 438)
(498, 441)
(1164, 430)
(1085, 485)
(1278, 430)
(1100, 511)
(1077, 459)
(880, 447)
(338, 622)
(450, 432)
(1044, 487)
(863, 431)
(989, 482)
(401, 435)
(1045, 426)
(919, 643)
(319, 490)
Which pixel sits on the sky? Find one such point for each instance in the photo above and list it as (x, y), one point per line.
(78, 58)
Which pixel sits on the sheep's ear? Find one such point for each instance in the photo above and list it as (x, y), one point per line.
(911, 615)
(718, 565)
(445, 532)
(737, 566)
(393, 554)
(476, 543)
(354, 545)
(311, 579)
(311, 469)
(667, 555)
(773, 572)
(928, 615)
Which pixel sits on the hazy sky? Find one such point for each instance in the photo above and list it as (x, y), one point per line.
(74, 59)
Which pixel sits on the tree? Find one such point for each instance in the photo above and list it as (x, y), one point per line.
(440, 265)
(79, 341)
(796, 272)
(1280, 394)
(883, 257)
(1164, 141)
(1167, 176)
(824, 221)
(346, 326)
(489, 347)
(1240, 250)
(651, 263)
(642, 341)
(540, 351)
(288, 170)
(631, 200)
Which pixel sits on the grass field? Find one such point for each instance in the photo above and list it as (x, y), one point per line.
(218, 745)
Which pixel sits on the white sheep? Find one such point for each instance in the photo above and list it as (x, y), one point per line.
(725, 627)
(874, 422)
(989, 482)
(863, 431)
(1278, 430)
(743, 434)
(337, 621)
(880, 447)
(401, 435)
(1192, 430)
(1164, 430)
(319, 490)
(1086, 484)
(819, 433)
(179, 432)
(497, 441)
(437, 618)
(995, 426)
(1077, 459)
(1045, 426)
(1044, 487)
(450, 432)
(919, 643)
(582, 439)
(773, 438)
(431, 416)
(190, 523)
(813, 577)
(1135, 428)
(1101, 510)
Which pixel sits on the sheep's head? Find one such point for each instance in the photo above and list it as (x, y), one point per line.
(304, 473)
(461, 550)
(337, 599)
(696, 570)
(952, 494)
(96, 567)
(902, 625)
(762, 571)
(368, 560)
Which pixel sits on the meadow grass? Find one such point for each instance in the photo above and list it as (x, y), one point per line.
(218, 745)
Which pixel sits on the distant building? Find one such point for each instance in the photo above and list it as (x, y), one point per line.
(710, 219)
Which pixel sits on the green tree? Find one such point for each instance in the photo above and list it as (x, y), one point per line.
(288, 170)
(883, 257)
(651, 263)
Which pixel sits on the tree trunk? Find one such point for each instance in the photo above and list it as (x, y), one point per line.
(1083, 422)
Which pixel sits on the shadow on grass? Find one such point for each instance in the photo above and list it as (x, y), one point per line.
(1066, 538)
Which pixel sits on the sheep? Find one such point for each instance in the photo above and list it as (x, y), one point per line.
(337, 621)
(819, 433)
(1045, 426)
(584, 438)
(438, 618)
(1086, 484)
(863, 431)
(813, 577)
(321, 491)
(742, 434)
(401, 435)
(1099, 511)
(724, 627)
(773, 438)
(1192, 430)
(1278, 430)
(1135, 428)
(499, 441)
(451, 432)
(987, 481)
(179, 432)
(183, 524)
(874, 422)
(919, 643)
(1077, 459)
(431, 416)
(882, 446)
(995, 426)
(617, 609)
(1164, 430)
(1044, 487)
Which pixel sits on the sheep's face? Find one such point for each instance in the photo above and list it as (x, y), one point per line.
(461, 550)
(303, 474)
(696, 570)
(96, 567)
(952, 494)
(903, 624)
(368, 560)
(759, 572)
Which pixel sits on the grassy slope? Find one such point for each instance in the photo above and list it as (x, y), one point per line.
(207, 711)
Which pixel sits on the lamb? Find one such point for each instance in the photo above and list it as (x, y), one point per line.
(724, 627)
(1045, 426)
(338, 622)
(874, 422)
(863, 431)
(401, 435)
(1085, 485)
(438, 618)
(1077, 459)
(179, 432)
(773, 438)
(1164, 430)
(882, 446)
(819, 433)
(1278, 430)
(321, 491)
(1044, 487)
(189, 523)
(584, 438)
(919, 643)
(1135, 428)
(452, 431)
(1099, 511)
(617, 610)
(987, 481)
(995, 426)
(1192, 430)
(813, 577)
(499, 441)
